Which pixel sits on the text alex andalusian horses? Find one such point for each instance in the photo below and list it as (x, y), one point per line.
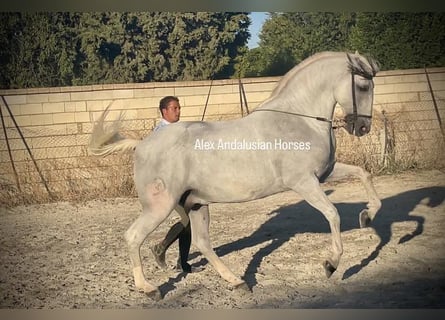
(286, 143)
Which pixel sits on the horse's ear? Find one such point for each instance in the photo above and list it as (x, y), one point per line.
(349, 57)
(356, 52)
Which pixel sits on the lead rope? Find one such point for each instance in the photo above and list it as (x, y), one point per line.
(296, 114)
(337, 123)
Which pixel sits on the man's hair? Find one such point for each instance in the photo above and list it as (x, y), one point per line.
(163, 104)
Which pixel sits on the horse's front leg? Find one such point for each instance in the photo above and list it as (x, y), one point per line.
(309, 188)
(199, 221)
(342, 171)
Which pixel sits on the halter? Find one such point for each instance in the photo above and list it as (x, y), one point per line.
(352, 118)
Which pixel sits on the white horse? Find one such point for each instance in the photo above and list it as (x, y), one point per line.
(287, 143)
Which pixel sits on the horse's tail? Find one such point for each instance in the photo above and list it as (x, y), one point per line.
(105, 141)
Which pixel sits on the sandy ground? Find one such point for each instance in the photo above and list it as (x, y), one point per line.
(66, 255)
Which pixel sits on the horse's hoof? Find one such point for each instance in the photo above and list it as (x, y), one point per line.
(365, 221)
(242, 286)
(329, 269)
(154, 295)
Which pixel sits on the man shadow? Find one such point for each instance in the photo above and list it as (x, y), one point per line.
(287, 221)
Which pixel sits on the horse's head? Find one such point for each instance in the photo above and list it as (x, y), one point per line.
(355, 93)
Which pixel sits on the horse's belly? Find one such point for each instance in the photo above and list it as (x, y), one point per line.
(236, 183)
(228, 194)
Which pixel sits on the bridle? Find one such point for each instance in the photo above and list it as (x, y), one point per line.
(350, 119)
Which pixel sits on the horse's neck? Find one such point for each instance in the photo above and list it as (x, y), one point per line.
(306, 101)
(307, 91)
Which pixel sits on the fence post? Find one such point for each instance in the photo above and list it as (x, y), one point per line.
(242, 97)
(9, 151)
(207, 101)
(27, 148)
(435, 103)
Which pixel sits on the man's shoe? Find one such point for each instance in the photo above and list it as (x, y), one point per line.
(187, 268)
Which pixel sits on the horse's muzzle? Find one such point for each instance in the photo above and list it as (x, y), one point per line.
(360, 127)
(361, 131)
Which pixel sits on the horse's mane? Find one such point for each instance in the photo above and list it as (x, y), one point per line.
(303, 64)
(366, 68)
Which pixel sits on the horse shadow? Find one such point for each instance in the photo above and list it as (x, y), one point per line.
(287, 221)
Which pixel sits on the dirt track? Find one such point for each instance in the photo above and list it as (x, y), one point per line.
(74, 256)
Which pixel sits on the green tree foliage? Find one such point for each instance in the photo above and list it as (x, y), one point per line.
(397, 40)
(34, 51)
(288, 38)
(206, 45)
(401, 40)
(58, 49)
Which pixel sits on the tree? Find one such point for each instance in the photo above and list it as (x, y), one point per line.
(34, 50)
(288, 38)
(401, 40)
(57, 49)
(110, 48)
(398, 40)
(205, 45)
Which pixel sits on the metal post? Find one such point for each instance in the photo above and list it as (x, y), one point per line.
(9, 151)
(245, 99)
(240, 97)
(435, 103)
(207, 101)
(27, 148)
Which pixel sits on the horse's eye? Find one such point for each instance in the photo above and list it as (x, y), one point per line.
(363, 87)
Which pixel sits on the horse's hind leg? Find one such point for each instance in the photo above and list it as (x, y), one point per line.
(199, 221)
(342, 171)
(157, 204)
(309, 188)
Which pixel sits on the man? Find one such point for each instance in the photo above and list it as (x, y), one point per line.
(171, 110)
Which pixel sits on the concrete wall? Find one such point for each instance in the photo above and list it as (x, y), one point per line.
(56, 122)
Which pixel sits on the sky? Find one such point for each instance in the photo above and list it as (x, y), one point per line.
(257, 21)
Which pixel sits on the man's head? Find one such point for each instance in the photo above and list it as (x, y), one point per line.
(170, 108)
